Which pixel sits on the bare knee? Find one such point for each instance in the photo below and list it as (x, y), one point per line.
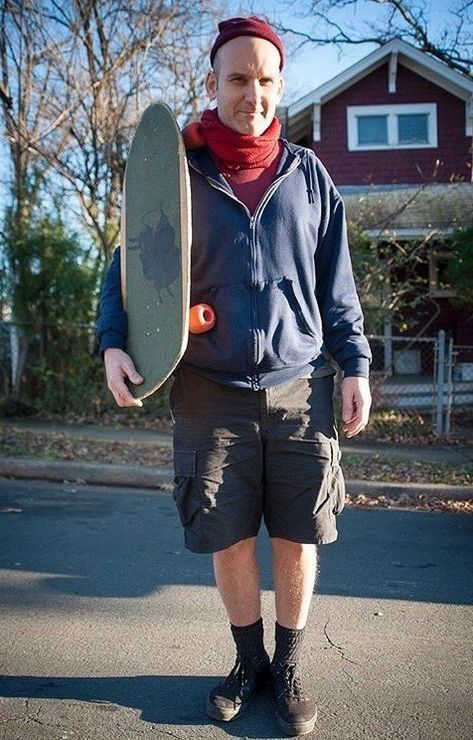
(293, 550)
(240, 552)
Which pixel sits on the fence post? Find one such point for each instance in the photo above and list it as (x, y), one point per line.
(388, 347)
(440, 381)
(448, 411)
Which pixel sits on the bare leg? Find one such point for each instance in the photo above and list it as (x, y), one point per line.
(294, 574)
(238, 582)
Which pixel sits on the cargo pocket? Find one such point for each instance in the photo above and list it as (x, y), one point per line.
(337, 486)
(185, 493)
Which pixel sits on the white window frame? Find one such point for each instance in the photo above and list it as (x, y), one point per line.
(391, 111)
(435, 288)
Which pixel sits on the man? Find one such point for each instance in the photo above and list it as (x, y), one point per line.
(254, 428)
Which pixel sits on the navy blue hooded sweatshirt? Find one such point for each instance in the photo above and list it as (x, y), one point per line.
(280, 280)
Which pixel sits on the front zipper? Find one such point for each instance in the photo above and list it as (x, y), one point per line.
(253, 250)
(266, 195)
(217, 186)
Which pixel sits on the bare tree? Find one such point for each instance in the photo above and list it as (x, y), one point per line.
(336, 23)
(185, 68)
(24, 97)
(119, 56)
(24, 94)
(75, 77)
(106, 60)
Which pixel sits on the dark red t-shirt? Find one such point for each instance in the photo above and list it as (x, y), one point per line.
(249, 185)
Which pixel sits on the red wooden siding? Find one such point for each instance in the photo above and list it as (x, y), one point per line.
(454, 320)
(399, 165)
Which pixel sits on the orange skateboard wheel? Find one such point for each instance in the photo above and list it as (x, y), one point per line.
(201, 318)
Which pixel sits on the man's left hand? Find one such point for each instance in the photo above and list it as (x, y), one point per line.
(356, 399)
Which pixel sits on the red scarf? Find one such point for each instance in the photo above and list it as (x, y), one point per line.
(231, 150)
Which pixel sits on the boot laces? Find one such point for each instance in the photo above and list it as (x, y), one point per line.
(237, 675)
(291, 685)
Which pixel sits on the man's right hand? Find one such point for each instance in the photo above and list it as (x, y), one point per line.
(119, 367)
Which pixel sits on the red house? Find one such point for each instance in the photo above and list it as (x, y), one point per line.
(396, 101)
(395, 132)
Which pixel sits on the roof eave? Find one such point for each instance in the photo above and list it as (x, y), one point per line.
(416, 60)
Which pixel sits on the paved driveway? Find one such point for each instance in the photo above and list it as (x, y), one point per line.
(110, 629)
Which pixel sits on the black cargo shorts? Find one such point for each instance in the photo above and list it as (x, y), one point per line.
(240, 455)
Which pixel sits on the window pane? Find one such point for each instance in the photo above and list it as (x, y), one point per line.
(372, 130)
(442, 277)
(413, 128)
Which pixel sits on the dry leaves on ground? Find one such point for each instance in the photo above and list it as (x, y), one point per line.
(412, 501)
(60, 446)
(379, 468)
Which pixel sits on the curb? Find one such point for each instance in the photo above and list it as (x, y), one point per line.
(373, 489)
(143, 476)
(134, 476)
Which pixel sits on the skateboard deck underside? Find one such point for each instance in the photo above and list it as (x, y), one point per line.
(155, 248)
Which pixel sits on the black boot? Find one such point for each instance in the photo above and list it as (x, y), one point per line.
(296, 713)
(249, 674)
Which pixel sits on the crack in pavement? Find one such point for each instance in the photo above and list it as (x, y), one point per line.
(171, 734)
(35, 718)
(341, 651)
(44, 724)
(29, 717)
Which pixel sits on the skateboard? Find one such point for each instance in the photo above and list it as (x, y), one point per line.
(155, 248)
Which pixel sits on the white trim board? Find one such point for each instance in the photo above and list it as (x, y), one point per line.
(417, 61)
(354, 111)
(402, 234)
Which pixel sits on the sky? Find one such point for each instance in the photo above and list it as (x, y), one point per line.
(310, 66)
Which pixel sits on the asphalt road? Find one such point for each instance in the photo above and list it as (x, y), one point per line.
(111, 630)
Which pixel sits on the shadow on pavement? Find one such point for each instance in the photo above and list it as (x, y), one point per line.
(84, 541)
(154, 696)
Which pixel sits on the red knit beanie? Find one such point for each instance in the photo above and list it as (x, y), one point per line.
(251, 26)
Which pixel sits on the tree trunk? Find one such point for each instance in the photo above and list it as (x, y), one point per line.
(19, 345)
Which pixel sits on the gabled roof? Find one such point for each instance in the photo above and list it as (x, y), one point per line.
(418, 61)
(407, 211)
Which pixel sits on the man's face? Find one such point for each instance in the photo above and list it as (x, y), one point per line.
(246, 83)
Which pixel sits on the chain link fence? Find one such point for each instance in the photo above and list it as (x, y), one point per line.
(462, 392)
(422, 386)
(403, 375)
(425, 383)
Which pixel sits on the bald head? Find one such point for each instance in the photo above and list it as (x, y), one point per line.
(246, 83)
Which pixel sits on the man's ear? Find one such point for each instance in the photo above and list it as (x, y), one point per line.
(211, 84)
(281, 89)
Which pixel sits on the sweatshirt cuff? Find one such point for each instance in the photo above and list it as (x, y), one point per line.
(111, 339)
(356, 367)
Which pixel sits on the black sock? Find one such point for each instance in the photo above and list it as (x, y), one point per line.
(288, 647)
(250, 645)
